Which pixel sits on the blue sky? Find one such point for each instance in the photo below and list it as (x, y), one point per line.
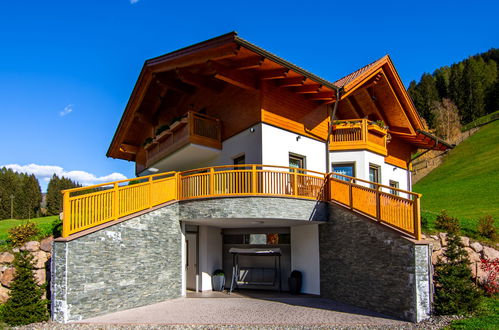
(67, 68)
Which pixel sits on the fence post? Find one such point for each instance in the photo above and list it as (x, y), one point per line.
(150, 192)
(253, 179)
(417, 217)
(350, 193)
(212, 181)
(66, 212)
(115, 202)
(295, 182)
(378, 202)
(177, 186)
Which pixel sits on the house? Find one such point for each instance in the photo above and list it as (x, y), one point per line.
(247, 160)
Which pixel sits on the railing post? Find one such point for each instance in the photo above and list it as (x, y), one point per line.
(177, 186)
(378, 202)
(115, 202)
(66, 212)
(253, 180)
(295, 182)
(212, 181)
(350, 193)
(417, 217)
(364, 130)
(150, 192)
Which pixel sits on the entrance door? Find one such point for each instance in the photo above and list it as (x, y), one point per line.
(191, 267)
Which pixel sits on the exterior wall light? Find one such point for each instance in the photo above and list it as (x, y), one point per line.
(252, 130)
(298, 138)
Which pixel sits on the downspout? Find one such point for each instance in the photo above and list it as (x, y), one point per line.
(332, 115)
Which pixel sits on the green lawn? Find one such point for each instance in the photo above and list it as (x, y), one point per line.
(467, 183)
(487, 317)
(42, 223)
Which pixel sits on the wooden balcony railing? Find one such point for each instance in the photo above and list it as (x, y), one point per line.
(358, 134)
(88, 207)
(194, 128)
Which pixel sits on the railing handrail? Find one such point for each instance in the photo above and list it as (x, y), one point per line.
(233, 167)
(204, 116)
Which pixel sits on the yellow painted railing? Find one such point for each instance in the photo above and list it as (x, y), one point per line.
(358, 134)
(88, 207)
(391, 206)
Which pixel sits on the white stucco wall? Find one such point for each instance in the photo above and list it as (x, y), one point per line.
(210, 254)
(305, 256)
(278, 143)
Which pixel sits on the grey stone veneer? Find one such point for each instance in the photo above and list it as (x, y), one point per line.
(371, 266)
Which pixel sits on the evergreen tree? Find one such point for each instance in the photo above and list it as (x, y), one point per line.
(54, 196)
(25, 191)
(454, 289)
(25, 304)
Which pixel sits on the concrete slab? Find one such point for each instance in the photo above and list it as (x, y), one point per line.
(216, 308)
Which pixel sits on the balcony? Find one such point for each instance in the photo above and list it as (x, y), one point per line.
(88, 207)
(194, 129)
(358, 134)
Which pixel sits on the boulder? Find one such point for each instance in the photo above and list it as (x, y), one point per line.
(7, 277)
(40, 276)
(46, 244)
(476, 246)
(490, 253)
(478, 273)
(465, 241)
(437, 255)
(436, 245)
(31, 246)
(435, 237)
(472, 255)
(4, 295)
(39, 259)
(443, 238)
(6, 258)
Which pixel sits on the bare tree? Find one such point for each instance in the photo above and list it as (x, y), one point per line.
(447, 121)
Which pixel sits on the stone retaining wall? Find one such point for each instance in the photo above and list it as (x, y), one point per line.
(368, 265)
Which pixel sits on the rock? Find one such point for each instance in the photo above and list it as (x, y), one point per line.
(4, 295)
(465, 241)
(435, 237)
(490, 253)
(476, 246)
(7, 277)
(46, 244)
(39, 259)
(31, 246)
(15, 250)
(436, 246)
(40, 276)
(437, 255)
(3, 268)
(443, 238)
(423, 236)
(6, 258)
(478, 273)
(472, 255)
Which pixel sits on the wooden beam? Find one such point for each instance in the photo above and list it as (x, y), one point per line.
(291, 82)
(235, 78)
(198, 80)
(174, 84)
(355, 109)
(129, 148)
(248, 63)
(322, 96)
(373, 101)
(274, 74)
(307, 89)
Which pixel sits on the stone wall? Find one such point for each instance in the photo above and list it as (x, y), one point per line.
(41, 252)
(133, 263)
(368, 265)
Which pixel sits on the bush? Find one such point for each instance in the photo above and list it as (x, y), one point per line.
(486, 227)
(25, 304)
(447, 223)
(491, 283)
(21, 234)
(455, 292)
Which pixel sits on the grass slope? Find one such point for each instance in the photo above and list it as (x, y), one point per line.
(467, 183)
(5, 225)
(487, 317)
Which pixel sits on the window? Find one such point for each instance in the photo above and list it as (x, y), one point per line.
(345, 169)
(296, 161)
(240, 160)
(257, 239)
(394, 184)
(374, 174)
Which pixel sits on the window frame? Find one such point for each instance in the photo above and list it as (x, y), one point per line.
(345, 164)
(378, 174)
(397, 185)
(301, 158)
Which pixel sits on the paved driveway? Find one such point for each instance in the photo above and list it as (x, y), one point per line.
(251, 310)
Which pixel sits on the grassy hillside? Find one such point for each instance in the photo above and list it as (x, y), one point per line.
(43, 223)
(467, 183)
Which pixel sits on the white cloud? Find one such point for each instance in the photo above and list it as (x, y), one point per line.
(67, 110)
(45, 172)
(133, 1)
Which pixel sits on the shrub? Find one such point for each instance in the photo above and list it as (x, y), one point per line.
(25, 304)
(455, 292)
(447, 223)
(491, 283)
(486, 227)
(21, 234)
(218, 272)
